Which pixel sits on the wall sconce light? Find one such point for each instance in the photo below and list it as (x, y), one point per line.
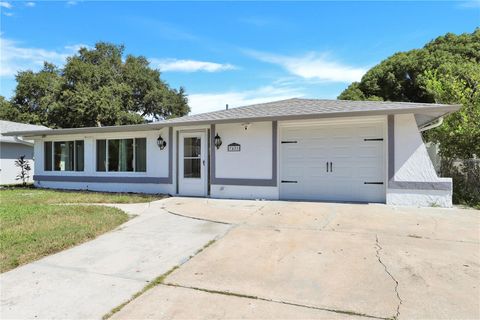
(161, 143)
(246, 125)
(217, 141)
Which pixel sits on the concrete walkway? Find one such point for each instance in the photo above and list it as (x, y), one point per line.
(87, 281)
(322, 261)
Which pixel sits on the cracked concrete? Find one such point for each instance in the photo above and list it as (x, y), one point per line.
(315, 260)
(274, 260)
(379, 248)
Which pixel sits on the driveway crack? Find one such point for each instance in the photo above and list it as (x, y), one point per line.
(247, 296)
(400, 301)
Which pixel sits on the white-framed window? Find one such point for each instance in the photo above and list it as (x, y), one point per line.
(122, 155)
(64, 155)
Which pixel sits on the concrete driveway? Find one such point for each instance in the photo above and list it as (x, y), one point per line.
(89, 280)
(295, 260)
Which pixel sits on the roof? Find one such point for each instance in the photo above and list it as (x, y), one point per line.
(9, 126)
(290, 109)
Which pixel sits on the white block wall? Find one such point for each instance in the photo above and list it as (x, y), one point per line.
(9, 152)
(254, 161)
(412, 163)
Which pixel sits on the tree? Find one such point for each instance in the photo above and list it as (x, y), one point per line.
(24, 166)
(96, 87)
(460, 134)
(7, 111)
(401, 77)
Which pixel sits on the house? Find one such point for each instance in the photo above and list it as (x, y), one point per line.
(11, 148)
(295, 149)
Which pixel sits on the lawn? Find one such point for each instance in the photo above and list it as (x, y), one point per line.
(34, 223)
(30, 195)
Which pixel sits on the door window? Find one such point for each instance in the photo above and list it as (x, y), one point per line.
(192, 150)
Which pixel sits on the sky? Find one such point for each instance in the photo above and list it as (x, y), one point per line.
(235, 53)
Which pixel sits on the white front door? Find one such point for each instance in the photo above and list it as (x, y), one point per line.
(192, 164)
(333, 162)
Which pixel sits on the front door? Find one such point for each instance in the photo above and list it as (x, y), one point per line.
(192, 177)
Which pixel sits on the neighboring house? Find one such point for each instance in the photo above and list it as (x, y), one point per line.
(11, 148)
(296, 149)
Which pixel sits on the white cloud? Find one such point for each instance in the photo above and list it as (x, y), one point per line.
(206, 102)
(16, 57)
(189, 65)
(71, 3)
(30, 4)
(6, 5)
(313, 66)
(8, 14)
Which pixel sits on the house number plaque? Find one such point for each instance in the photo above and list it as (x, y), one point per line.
(233, 147)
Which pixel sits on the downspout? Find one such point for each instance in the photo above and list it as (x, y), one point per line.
(438, 122)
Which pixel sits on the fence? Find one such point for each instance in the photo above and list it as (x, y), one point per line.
(466, 180)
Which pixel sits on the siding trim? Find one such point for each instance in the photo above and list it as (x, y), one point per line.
(102, 179)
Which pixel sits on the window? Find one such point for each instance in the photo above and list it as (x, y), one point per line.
(122, 155)
(64, 155)
(141, 155)
(79, 156)
(101, 155)
(47, 151)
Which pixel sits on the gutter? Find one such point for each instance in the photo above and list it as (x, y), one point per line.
(433, 124)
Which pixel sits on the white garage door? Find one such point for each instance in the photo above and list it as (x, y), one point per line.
(333, 162)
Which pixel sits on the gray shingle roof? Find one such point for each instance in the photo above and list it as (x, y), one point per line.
(9, 126)
(280, 110)
(302, 108)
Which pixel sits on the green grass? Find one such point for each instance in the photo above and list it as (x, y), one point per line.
(31, 195)
(34, 224)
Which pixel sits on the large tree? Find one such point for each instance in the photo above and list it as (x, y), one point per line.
(96, 87)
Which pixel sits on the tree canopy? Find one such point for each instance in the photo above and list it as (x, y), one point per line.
(96, 87)
(445, 70)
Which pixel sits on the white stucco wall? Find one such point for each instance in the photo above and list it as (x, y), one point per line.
(254, 161)
(152, 188)
(413, 164)
(244, 192)
(420, 198)
(9, 152)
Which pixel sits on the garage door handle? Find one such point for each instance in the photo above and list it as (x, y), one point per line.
(331, 167)
(327, 165)
(289, 181)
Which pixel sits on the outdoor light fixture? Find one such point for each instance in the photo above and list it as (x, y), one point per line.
(161, 143)
(218, 141)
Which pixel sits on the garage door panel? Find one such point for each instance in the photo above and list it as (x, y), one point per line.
(369, 131)
(368, 172)
(354, 162)
(369, 152)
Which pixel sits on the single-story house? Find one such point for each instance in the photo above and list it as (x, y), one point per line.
(295, 149)
(12, 148)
